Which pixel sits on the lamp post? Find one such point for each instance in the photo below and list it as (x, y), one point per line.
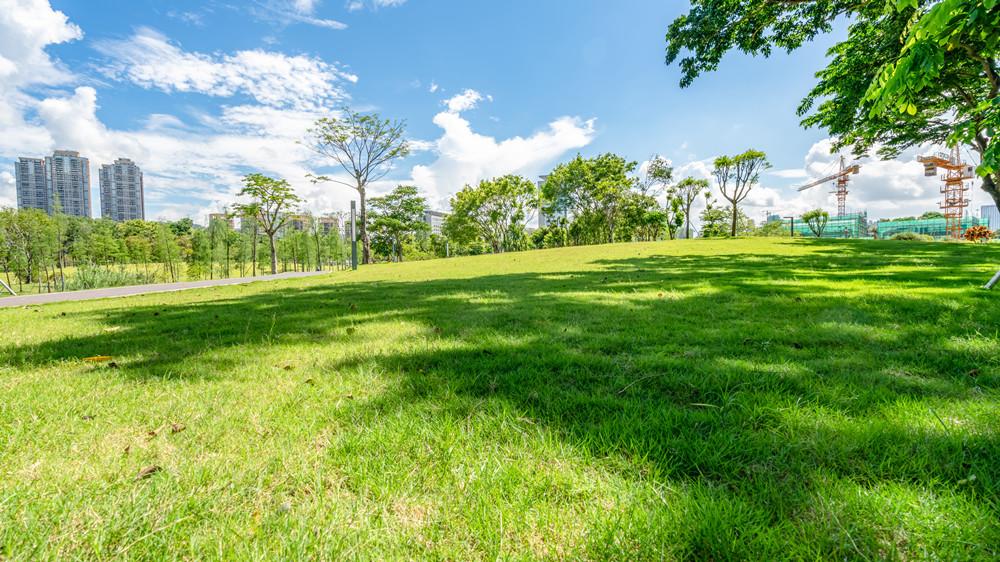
(354, 235)
(792, 225)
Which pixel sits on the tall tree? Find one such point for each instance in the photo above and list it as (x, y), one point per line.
(657, 175)
(736, 176)
(270, 201)
(593, 189)
(911, 72)
(493, 211)
(397, 216)
(365, 145)
(688, 190)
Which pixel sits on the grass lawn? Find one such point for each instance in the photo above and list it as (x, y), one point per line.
(697, 400)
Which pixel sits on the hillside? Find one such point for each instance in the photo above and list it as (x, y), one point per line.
(764, 399)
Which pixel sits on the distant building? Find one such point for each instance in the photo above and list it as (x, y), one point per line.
(937, 227)
(851, 225)
(329, 223)
(991, 215)
(299, 222)
(68, 177)
(122, 195)
(32, 186)
(60, 182)
(223, 217)
(435, 220)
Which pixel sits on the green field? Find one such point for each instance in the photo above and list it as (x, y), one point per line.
(705, 400)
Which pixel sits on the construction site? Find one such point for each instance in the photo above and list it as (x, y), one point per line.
(951, 222)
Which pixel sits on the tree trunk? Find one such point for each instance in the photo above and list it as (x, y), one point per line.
(687, 222)
(990, 187)
(366, 245)
(735, 219)
(274, 254)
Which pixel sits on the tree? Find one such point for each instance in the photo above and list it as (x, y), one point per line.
(658, 173)
(817, 220)
(365, 146)
(594, 190)
(270, 200)
(396, 217)
(675, 215)
(494, 211)
(931, 215)
(716, 222)
(911, 72)
(736, 176)
(687, 191)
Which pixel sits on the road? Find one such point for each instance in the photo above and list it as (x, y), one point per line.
(48, 298)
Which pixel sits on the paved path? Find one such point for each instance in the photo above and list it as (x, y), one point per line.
(92, 294)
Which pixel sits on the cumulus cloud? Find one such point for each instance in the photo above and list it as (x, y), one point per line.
(150, 60)
(8, 191)
(466, 157)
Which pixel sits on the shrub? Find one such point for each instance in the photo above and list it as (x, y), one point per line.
(978, 234)
(93, 277)
(913, 236)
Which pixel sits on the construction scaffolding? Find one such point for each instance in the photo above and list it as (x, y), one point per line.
(955, 189)
(937, 228)
(849, 225)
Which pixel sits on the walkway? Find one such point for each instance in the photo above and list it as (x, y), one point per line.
(47, 298)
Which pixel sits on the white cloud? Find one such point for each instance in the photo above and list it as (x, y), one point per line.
(356, 5)
(466, 157)
(8, 191)
(149, 60)
(434, 88)
(293, 11)
(465, 101)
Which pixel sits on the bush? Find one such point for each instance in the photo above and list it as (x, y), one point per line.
(978, 234)
(913, 236)
(92, 277)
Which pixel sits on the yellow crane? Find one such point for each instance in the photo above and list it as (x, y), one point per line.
(841, 179)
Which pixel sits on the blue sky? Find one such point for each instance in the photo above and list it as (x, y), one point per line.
(201, 92)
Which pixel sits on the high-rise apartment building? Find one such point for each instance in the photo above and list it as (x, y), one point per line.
(32, 188)
(992, 216)
(68, 179)
(122, 196)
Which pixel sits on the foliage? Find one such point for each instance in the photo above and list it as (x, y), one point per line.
(978, 234)
(817, 220)
(396, 219)
(270, 202)
(657, 175)
(688, 190)
(735, 176)
(772, 229)
(716, 222)
(912, 236)
(594, 191)
(494, 211)
(910, 73)
(365, 146)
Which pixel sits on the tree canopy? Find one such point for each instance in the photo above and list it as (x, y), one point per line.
(495, 211)
(911, 72)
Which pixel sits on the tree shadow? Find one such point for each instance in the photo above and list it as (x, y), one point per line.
(755, 379)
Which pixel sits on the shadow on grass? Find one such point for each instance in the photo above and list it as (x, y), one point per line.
(754, 379)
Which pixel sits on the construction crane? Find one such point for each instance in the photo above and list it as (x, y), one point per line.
(841, 179)
(955, 188)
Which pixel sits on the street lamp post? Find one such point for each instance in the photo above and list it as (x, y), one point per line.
(354, 235)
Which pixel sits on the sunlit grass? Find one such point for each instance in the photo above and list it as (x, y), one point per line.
(687, 400)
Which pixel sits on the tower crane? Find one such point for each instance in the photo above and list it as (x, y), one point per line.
(841, 179)
(955, 190)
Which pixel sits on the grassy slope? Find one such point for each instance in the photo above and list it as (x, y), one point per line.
(682, 400)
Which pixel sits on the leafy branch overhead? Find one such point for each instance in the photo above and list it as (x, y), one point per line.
(910, 72)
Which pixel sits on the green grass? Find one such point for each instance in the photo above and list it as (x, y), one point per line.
(702, 400)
